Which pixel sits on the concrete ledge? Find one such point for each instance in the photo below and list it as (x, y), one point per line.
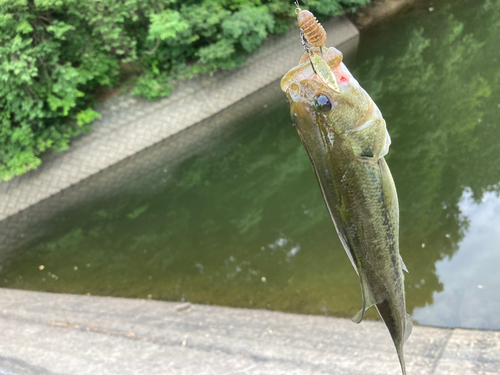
(129, 124)
(46, 333)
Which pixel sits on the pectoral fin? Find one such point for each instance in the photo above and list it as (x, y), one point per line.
(387, 143)
(368, 299)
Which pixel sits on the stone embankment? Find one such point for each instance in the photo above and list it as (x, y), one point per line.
(49, 334)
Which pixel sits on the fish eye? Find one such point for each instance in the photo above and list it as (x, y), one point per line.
(323, 103)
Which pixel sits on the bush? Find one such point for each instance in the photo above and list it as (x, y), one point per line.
(55, 53)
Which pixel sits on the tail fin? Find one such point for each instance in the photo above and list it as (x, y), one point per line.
(401, 359)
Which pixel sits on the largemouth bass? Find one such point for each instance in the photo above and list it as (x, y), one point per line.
(346, 139)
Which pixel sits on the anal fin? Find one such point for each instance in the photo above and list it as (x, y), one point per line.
(408, 326)
(368, 300)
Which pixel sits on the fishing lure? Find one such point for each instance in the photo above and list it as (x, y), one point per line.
(323, 70)
(312, 30)
(313, 34)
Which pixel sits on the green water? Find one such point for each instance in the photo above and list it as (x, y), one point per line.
(235, 216)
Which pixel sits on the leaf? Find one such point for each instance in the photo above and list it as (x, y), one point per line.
(87, 116)
(59, 28)
(24, 27)
(249, 26)
(223, 49)
(166, 25)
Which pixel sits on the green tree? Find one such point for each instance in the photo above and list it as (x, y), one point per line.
(54, 54)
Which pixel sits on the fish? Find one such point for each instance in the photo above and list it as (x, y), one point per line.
(346, 139)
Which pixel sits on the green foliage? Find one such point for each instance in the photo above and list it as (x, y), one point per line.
(86, 116)
(334, 7)
(54, 54)
(249, 26)
(219, 51)
(166, 25)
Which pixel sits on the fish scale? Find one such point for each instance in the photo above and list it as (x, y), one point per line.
(346, 140)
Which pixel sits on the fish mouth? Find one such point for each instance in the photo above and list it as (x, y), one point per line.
(300, 107)
(302, 86)
(298, 111)
(302, 72)
(309, 122)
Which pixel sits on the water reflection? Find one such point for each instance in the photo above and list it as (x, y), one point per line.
(437, 86)
(229, 212)
(471, 296)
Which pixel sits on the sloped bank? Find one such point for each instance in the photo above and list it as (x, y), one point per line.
(44, 333)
